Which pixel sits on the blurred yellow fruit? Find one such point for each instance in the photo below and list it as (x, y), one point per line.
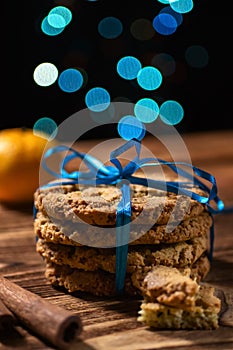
(20, 155)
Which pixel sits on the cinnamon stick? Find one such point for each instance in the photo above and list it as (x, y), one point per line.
(7, 319)
(56, 325)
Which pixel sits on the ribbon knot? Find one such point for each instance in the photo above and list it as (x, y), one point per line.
(99, 174)
(123, 172)
(111, 174)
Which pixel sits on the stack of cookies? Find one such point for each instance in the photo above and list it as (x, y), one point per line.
(76, 234)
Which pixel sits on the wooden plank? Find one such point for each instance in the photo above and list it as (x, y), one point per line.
(158, 339)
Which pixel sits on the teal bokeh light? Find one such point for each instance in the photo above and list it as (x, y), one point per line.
(164, 1)
(128, 67)
(149, 78)
(171, 112)
(70, 80)
(46, 128)
(56, 21)
(62, 11)
(181, 6)
(48, 29)
(146, 110)
(97, 99)
(110, 27)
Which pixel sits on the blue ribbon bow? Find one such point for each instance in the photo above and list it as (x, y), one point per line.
(99, 174)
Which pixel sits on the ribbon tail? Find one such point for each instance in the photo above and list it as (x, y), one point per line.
(121, 260)
(122, 238)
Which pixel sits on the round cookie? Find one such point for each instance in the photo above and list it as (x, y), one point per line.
(98, 205)
(180, 255)
(74, 234)
(103, 283)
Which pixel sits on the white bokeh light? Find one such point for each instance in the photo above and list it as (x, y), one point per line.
(45, 74)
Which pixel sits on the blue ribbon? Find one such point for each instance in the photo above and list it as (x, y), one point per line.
(99, 174)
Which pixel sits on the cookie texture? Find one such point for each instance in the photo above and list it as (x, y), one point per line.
(169, 286)
(196, 271)
(76, 234)
(102, 283)
(99, 283)
(180, 254)
(203, 315)
(98, 205)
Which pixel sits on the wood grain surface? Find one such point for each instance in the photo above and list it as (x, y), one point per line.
(111, 323)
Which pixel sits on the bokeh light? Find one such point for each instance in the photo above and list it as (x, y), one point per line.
(46, 128)
(70, 80)
(146, 110)
(45, 74)
(142, 29)
(165, 63)
(181, 6)
(48, 29)
(110, 27)
(165, 24)
(149, 78)
(128, 67)
(61, 11)
(129, 127)
(56, 21)
(97, 99)
(178, 16)
(171, 112)
(197, 56)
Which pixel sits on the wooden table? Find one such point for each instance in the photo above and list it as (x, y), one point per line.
(111, 324)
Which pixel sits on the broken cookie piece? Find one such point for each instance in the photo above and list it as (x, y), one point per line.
(173, 300)
(169, 286)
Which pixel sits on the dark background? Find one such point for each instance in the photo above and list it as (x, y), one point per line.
(205, 93)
